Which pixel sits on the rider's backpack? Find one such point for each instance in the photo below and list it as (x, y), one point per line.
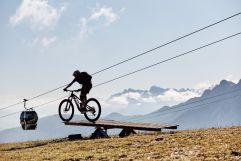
(86, 77)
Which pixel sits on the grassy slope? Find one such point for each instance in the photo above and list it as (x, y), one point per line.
(205, 144)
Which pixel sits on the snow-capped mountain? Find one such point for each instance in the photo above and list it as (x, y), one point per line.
(137, 101)
(220, 106)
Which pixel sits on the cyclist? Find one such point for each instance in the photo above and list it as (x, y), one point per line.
(84, 79)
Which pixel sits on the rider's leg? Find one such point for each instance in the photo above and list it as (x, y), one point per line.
(82, 104)
(83, 98)
(84, 91)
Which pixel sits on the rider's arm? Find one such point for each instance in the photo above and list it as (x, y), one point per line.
(79, 90)
(69, 84)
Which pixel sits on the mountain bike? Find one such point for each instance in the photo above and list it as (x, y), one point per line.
(90, 108)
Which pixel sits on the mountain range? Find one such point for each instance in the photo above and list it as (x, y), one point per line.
(216, 107)
(137, 101)
(220, 106)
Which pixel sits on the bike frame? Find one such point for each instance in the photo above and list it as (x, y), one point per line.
(75, 98)
(91, 108)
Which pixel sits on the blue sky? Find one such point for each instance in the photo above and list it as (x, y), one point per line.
(43, 41)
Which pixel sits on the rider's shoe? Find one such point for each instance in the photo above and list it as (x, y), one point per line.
(82, 108)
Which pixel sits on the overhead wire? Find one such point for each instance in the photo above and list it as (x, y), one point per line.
(47, 92)
(165, 44)
(166, 60)
(34, 107)
(11, 105)
(163, 61)
(32, 98)
(126, 60)
(49, 102)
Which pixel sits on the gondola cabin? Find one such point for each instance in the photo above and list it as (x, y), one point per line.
(28, 120)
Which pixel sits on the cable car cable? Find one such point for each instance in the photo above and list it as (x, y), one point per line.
(34, 107)
(165, 44)
(11, 105)
(126, 60)
(166, 60)
(49, 102)
(47, 92)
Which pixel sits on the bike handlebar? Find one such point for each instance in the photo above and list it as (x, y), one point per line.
(67, 90)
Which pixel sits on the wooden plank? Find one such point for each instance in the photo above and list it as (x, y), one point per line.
(110, 124)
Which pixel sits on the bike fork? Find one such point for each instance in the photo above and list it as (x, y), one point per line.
(67, 105)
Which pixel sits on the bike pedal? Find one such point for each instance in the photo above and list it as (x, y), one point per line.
(82, 111)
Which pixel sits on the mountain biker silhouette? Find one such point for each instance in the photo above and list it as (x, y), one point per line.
(84, 79)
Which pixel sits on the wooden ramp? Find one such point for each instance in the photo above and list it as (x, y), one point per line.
(128, 127)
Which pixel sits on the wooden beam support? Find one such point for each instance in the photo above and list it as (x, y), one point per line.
(126, 132)
(99, 133)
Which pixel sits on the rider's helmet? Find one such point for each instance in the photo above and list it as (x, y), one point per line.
(76, 73)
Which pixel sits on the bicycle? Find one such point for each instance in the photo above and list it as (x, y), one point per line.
(90, 108)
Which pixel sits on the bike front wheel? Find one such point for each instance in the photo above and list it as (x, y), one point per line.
(93, 110)
(66, 110)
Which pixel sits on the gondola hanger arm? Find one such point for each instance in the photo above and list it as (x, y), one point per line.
(25, 100)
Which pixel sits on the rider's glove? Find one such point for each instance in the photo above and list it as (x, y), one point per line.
(65, 89)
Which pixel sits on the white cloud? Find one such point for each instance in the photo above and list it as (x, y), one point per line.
(47, 41)
(172, 95)
(230, 78)
(133, 95)
(36, 12)
(202, 86)
(121, 100)
(103, 12)
(44, 41)
(85, 30)
(167, 97)
(148, 100)
(100, 16)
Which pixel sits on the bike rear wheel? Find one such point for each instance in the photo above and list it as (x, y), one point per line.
(66, 110)
(93, 110)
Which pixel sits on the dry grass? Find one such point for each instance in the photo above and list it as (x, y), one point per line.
(204, 144)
